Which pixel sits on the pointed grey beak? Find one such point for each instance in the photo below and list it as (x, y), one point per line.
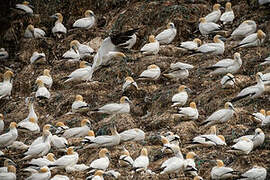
(223, 39)
(31, 6)
(189, 90)
(54, 16)
(222, 8)
(88, 64)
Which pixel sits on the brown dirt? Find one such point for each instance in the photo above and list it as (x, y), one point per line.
(150, 17)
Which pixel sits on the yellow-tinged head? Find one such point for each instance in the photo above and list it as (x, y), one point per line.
(32, 120)
(39, 82)
(46, 72)
(262, 111)
(261, 35)
(12, 125)
(91, 133)
(236, 55)
(70, 151)
(59, 124)
(103, 152)
(44, 169)
(6, 162)
(213, 130)
(144, 152)
(181, 88)
(50, 157)
(198, 41)
(202, 20)
(47, 127)
(74, 44)
(222, 138)
(129, 79)
(78, 98)
(198, 178)
(170, 25)
(11, 169)
(30, 27)
(152, 66)
(259, 76)
(1, 116)
(258, 131)
(152, 39)
(228, 6)
(8, 75)
(220, 163)
(83, 64)
(216, 39)
(59, 17)
(268, 113)
(25, 3)
(192, 105)
(85, 122)
(216, 7)
(88, 13)
(191, 155)
(99, 173)
(164, 140)
(46, 133)
(124, 99)
(120, 54)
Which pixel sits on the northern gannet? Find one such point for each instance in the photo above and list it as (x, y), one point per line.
(214, 15)
(180, 98)
(134, 134)
(228, 15)
(87, 22)
(81, 74)
(9, 137)
(244, 29)
(221, 172)
(3, 53)
(42, 91)
(227, 65)
(129, 81)
(228, 81)
(217, 47)
(73, 53)
(46, 78)
(58, 28)
(152, 72)
(191, 45)
(79, 105)
(25, 6)
(125, 159)
(167, 36)
(36, 56)
(253, 40)
(78, 131)
(221, 115)
(32, 32)
(141, 163)
(6, 85)
(207, 27)
(190, 112)
(102, 163)
(251, 91)
(244, 145)
(152, 47)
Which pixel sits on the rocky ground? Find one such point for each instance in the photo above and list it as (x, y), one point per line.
(151, 109)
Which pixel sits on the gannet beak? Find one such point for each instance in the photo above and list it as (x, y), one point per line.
(31, 6)
(223, 39)
(53, 16)
(189, 90)
(222, 8)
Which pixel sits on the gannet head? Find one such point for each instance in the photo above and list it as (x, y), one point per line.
(192, 105)
(99, 173)
(202, 20)
(8, 74)
(85, 122)
(11, 169)
(88, 13)
(144, 152)
(104, 152)
(79, 98)
(190, 155)
(170, 25)
(262, 111)
(70, 151)
(124, 99)
(44, 169)
(152, 66)
(220, 163)
(91, 133)
(261, 35)
(46, 72)
(50, 157)
(216, 7)
(228, 6)
(12, 125)
(198, 41)
(129, 79)
(222, 138)
(40, 83)
(152, 39)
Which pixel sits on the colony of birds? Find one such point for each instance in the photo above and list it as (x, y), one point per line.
(56, 151)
